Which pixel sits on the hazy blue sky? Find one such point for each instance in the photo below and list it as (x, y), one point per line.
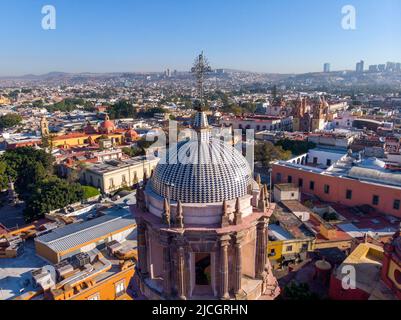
(152, 35)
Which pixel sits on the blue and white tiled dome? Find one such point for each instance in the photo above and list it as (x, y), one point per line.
(208, 171)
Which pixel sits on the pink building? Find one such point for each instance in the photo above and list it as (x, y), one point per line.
(333, 176)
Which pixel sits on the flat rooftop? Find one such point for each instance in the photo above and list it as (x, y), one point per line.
(286, 187)
(367, 261)
(75, 234)
(371, 170)
(114, 165)
(279, 233)
(360, 221)
(15, 273)
(290, 222)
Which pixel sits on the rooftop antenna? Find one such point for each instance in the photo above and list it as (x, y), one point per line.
(200, 68)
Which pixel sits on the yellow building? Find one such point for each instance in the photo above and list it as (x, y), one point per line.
(77, 139)
(91, 135)
(289, 238)
(113, 175)
(274, 250)
(4, 100)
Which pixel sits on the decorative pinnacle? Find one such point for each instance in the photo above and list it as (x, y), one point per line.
(225, 217)
(258, 180)
(166, 212)
(200, 68)
(237, 214)
(179, 220)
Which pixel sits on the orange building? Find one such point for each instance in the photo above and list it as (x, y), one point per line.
(93, 275)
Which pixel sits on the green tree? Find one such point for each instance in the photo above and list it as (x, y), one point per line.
(296, 147)
(10, 120)
(51, 194)
(89, 192)
(143, 144)
(133, 151)
(266, 152)
(232, 108)
(27, 166)
(122, 109)
(330, 216)
(300, 291)
(3, 176)
(150, 113)
(248, 107)
(70, 104)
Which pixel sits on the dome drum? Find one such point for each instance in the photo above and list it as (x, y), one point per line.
(197, 214)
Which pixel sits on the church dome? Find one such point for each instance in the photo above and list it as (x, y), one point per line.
(108, 124)
(208, 171)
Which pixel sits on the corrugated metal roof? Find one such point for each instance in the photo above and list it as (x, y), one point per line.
(77, 234)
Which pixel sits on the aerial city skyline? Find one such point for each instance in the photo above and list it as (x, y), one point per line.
(201, 156)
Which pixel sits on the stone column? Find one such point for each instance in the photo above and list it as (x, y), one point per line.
(224, 243)
(238, 267)
(165, 242)
(261, 248)
(142, 256)
(181, 273)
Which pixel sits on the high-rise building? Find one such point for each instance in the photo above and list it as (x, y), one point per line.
(381, 67)
(326, 67)
(390, 66)
(373, 68)
(360, 66)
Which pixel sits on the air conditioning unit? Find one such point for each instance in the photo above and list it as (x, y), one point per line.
(64, 269)
(44, 279)
(81, 259)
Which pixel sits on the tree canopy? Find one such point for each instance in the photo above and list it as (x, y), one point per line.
(26, 166)
(122, 109)
(51, 194)
(300, 291)
(70, 104)
(133, 151)
(10, 120)
(32, 172)
(150, 113)
(89, 192)
(296, 147)
(3, 176)
(266, 152)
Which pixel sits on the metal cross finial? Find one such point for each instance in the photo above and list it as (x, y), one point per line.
(200, 68)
